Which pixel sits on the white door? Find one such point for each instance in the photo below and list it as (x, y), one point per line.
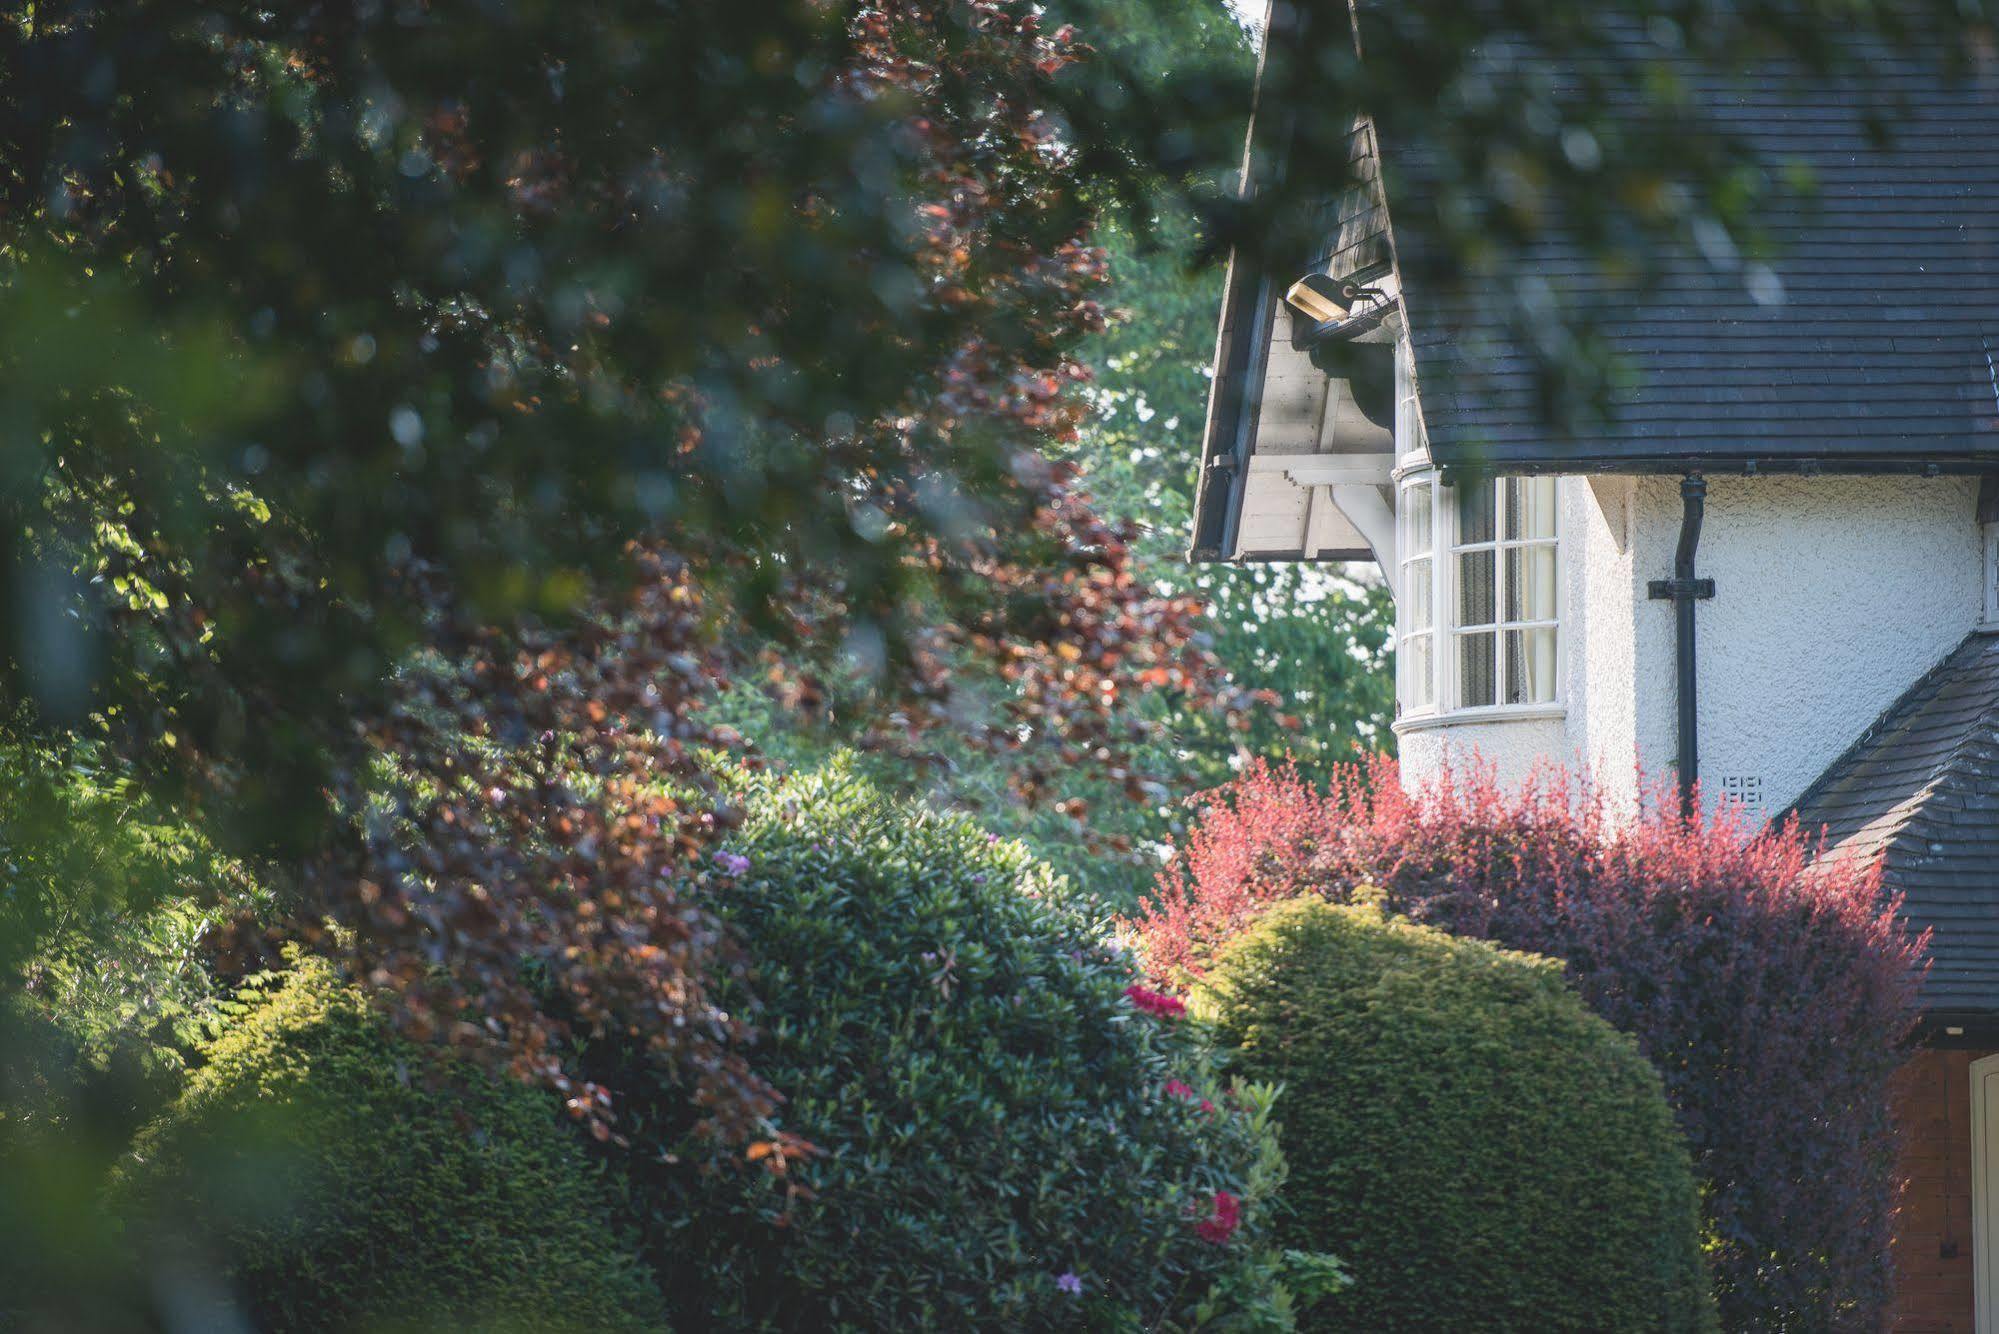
(1984, 1196)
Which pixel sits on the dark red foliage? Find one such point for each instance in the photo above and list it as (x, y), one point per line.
(526, 836)
(545, 803)
(1775, 997)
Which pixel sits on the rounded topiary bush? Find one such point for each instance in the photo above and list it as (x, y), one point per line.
(318, 1174)
(1009, 1136)
(1483, 1151)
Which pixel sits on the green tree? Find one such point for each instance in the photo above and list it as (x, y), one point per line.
(1313, 642)
(411, 415)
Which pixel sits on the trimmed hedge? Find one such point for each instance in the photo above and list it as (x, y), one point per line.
(311, 1175)
(1483, 1151)
(1757, 982)
(1012, 1135)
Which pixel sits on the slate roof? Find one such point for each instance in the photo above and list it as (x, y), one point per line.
(1874, 351)
(1920, 789)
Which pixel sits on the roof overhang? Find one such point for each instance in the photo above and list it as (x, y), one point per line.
(1878, 355)
(1299, 441)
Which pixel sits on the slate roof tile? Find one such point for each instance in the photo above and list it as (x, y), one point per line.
(1920, 790)
(1888, 326)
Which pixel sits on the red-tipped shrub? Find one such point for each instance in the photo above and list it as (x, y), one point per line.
(1775, 997)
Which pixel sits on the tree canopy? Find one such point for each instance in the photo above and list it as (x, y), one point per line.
(416, 414)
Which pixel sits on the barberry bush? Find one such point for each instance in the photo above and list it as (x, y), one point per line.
(1486, 1152)
(1775, 997)
(1000, 1129)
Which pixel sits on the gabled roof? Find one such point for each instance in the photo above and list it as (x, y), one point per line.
(1920, 791)
(1869, 344)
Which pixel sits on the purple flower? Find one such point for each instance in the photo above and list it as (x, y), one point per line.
(1069, 1283)
(732, 863)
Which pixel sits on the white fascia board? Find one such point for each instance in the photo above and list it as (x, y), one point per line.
(1328, 469)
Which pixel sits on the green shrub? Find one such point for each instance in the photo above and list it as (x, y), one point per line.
(1007, 1140)
(1483, 1151)
(325, 1176)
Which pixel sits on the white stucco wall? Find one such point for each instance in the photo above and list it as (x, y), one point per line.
(1606, 582)
(1512, 747)
(1594, 726)
(1833, 595)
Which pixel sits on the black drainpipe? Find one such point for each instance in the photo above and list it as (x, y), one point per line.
(1684, 590)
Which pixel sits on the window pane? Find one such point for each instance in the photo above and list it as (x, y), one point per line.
(1530, 583)
(1530, 507)
(1422, 611)
(1420, 671)
(1530, 666)
(1475, 674)
(1475, 588)
(1417, 498)
(1475, 502)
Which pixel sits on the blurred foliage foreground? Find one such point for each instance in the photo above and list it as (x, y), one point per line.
(432, 435)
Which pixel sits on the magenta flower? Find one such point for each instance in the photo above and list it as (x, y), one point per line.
(1220, 1224)
(1156, 1003)
(1179, 1088)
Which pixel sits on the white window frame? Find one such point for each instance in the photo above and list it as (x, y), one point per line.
(1407, 556)
(1984, 1262)
(1445, 550)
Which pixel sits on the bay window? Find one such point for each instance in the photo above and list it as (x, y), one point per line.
(1416, 644)
(1479, 619)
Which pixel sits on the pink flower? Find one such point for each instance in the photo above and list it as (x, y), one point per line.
(1156, 1003)
(1207, 1107)
(1221, 1224)
(1179, 1088)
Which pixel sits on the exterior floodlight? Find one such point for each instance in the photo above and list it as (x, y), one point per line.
(1320, 298)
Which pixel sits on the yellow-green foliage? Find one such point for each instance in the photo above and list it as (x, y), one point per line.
(1483, 1151)
(321, 1175)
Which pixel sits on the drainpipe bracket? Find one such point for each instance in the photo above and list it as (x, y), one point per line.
(1672, 590)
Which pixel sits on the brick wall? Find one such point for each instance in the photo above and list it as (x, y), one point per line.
(1932, 1247)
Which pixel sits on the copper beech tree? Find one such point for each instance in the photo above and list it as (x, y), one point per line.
(415, 410)
(486, 390)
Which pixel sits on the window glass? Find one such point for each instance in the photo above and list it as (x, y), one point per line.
(1504, 603)
(1530, 583)
(1475, 503)
(1420, 519)
(1477, 588)
(1420, 664)
(1475, 669)
(1530, 666)
(1416, 641)
(1422, 612)
(1530, 507)
(1480, 594)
